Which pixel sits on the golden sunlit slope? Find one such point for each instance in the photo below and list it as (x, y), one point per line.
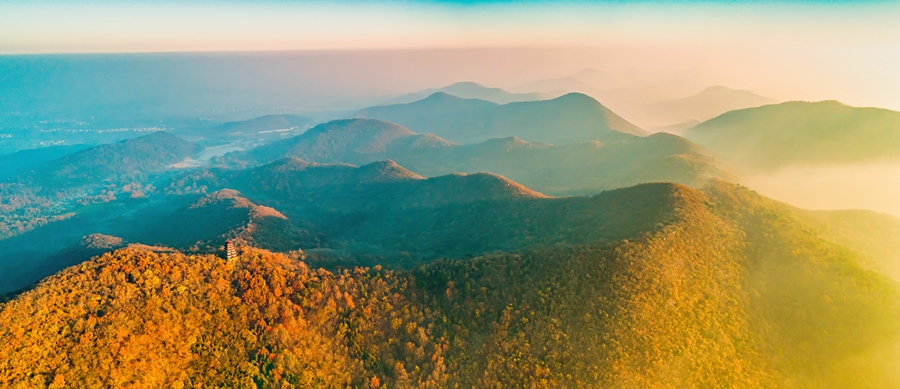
(731, 294)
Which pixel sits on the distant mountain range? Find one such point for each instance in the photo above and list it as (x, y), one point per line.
(561, 86)
(566, 119)
(580, 168)
(801, 133)
(709, 103)
(471, 90)
(652, 100)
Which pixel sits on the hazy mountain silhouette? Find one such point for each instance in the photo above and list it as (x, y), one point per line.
(560, 86)
(801, 133)
(631, 77)
(709, 103)
(471, 90)
(626, 92)
(246, 128)
(580, 168)
(566, 119)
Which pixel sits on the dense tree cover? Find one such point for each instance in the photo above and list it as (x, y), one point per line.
(226, 215)
(22, 209)
(51, 190)
(732, 294)
(833, 322)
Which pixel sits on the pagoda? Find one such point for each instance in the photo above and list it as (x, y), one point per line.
(230, 252)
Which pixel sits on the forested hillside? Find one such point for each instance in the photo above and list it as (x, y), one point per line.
(131, 159)
(377, 208)
(730, 293)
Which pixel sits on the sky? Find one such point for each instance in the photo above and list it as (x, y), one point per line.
(132, 26)
(803, 50)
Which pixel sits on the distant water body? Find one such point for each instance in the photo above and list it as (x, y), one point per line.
(216, 151)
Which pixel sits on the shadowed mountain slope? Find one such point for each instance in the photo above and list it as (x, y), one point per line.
(22, 160)
(801, 133)
(566, 119)
(376, 207)
(226, 215)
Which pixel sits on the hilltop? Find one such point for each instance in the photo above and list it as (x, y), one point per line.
(335, 141)
(566, 119)
(126, 160)
(366, 214)
(711, 102)
(726, 276)
(226, 215)
(801, 133)
(374, 208)
(580, 168)
(471, 90)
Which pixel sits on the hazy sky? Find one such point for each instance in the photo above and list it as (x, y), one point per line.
(811, 50)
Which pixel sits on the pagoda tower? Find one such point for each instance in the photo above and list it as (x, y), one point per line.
(230, 252)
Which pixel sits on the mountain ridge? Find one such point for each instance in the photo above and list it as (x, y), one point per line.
(582, 168)
(470, 90)
(571, 117)
(795, 133)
